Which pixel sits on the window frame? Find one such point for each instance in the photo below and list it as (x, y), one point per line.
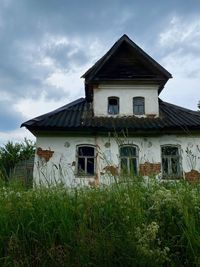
(128, 159)
(110, 98)
(143, 101)
(169, 157)
(84, 173)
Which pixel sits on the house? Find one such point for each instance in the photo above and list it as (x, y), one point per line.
(121, 127)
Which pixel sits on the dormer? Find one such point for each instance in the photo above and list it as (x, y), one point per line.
(126, 81)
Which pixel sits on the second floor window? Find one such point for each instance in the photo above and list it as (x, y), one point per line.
(113, 105)
(138, 106)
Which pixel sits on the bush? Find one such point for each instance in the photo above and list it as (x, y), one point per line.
(12, 153)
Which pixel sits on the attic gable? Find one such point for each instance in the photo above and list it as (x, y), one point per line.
(126, 61)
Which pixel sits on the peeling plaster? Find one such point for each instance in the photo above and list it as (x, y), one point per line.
(113, 170)
(192, 176)
(62, 163)
(46, 154)
(150, 168)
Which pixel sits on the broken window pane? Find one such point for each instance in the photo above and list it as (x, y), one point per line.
(170, 150)
(90, 166)
(175, 166)
(165, 165)
(86, 151)
(81, 165)
(86, 160)
(124, 166)
(171, 162)
(133, 165)
(129, 160)
(128, 151)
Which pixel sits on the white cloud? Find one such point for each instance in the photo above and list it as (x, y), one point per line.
(181, 30)
(183, 92)
(17, 135)
(180, 42)
(70, 82)
(30, 108)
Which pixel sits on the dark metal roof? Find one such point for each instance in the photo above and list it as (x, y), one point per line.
(126, 61)
(78, 116)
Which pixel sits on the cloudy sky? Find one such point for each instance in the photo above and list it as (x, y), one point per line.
(46, 45)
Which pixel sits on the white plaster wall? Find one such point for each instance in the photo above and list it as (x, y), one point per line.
(62, 167)
(125, 94)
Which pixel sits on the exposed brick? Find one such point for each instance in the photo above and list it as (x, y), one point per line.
(192, 176)
(150, 168)
(94, 182)
(112, 170)
(46, 154)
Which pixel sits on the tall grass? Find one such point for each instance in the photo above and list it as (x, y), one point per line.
(127, 224)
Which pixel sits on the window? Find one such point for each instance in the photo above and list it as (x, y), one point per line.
(86, 160)
(113, 105)
(138, 106)
(129, 160)
(171, 162)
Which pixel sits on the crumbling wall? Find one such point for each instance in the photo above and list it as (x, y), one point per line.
(56, 157)
(192, 176)
(149, 169)
(45, 154)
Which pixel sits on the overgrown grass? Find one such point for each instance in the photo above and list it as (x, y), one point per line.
(128, 224)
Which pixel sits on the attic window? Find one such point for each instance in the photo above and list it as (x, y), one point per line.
(113, 105)
(86, 160)
(138, 106)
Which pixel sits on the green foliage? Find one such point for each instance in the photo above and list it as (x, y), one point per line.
(127, 224)
(12, 153)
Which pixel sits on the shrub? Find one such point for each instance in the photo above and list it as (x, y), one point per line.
(12, 153)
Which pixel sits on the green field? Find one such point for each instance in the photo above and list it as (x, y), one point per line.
(127, 224)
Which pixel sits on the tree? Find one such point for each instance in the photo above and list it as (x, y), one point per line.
(12, 153)
(199, 105)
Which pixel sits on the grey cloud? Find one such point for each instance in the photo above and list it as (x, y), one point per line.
(66, 54)
(9, 118)
(25, 25)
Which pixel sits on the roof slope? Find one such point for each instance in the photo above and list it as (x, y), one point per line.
(78, 116)
(127, 61)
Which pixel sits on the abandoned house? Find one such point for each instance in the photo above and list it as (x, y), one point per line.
(121, 127)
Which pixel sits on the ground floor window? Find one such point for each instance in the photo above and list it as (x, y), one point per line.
(129, 160)
(171, 162)
(86, 160)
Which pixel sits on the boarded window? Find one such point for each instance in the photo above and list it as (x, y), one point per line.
(171, 162)
(113, 105)
(129, 160)
(138, 106)
(86, 160)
